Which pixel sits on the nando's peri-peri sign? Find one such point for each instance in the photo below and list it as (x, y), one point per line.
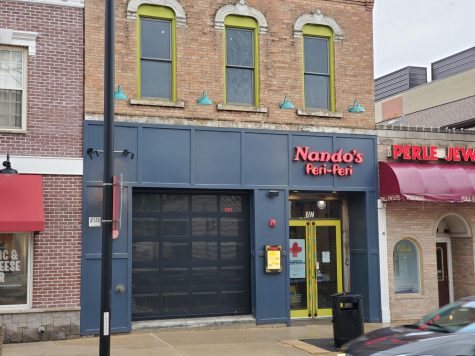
(321, 163)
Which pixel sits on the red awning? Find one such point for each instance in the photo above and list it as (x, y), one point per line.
(21, 203)
(426, 182)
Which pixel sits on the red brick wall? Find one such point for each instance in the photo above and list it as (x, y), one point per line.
(418, 221)
(200, 62)
(57, 250)
(55, 79)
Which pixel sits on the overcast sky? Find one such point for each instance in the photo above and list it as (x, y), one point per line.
(419, 32)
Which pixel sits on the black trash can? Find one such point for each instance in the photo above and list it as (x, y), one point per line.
(347, 317)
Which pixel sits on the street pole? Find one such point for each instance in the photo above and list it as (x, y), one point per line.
(107, 192)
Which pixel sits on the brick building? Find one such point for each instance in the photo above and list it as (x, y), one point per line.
(41, 124)
(425, 146)
(236, 141)
(426, 220)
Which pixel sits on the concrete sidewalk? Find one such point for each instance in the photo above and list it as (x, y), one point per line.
(228, 341)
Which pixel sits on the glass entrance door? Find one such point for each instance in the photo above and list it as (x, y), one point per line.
(315, 266)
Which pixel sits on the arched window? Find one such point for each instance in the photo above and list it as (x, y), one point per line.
(242, 25)
(319, 33)
(319, 80)
(156, 51)
(406, 267)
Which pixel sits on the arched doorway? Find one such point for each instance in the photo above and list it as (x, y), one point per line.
(449, 228)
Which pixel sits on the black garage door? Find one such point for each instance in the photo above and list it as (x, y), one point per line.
(190, 254)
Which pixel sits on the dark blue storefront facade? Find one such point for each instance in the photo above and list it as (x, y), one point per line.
(224, 159)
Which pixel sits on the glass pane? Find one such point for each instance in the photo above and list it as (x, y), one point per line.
(204, 226)
(175, 203)
(327, 277)
(13, 268)
(204, 203)
(176, 252)
(145, 254)
(232, 251)
(240, 86)
(317, 91)
(239, 47)
(233, 275)
(204, 251)
(231, 227)
(145, 306)
(145, 281)
(316, 55)
(175, 227)
(146, 203)
(230, 203)
(155, 79)
(175, 303)
(177, 277)
(406, 267)
(204, 275)
(155, 39)
(145, 229)
(10, 108)
(297, 259)
(204, 302)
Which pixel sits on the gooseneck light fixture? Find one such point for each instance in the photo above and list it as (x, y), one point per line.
(356, 107)
(204, 100)
(8, 167)
(119, 94)
(286, 104)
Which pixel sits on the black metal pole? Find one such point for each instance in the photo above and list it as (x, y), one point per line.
(107, 200)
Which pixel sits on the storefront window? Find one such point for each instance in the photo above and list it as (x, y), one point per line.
(406, 267)
(14, 250)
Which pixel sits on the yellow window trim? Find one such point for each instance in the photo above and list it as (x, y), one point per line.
(234, 21)
(161, 13)
(324, 32)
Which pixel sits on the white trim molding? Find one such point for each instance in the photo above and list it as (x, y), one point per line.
(317, 18)
(179, 11)
(72, 3)
(383, 263)
(241, 8)
(19, 38)
(47, 165)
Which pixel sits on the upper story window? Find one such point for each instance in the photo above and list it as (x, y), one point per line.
(242, 72)
(406, 267)
(318, 68)
(156, 52)
(13, 88)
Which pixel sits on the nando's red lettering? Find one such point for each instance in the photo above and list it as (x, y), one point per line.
(330, 161)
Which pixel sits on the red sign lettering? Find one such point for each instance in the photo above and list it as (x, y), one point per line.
(330, 162)
(429, 153)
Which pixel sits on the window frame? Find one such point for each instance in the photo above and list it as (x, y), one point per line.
(24, 90)
(29, 288)
(156, 12)
(318, 31)
(419, 270)
(243, 23)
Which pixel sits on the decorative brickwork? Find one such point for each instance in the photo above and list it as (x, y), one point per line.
(200, 65)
